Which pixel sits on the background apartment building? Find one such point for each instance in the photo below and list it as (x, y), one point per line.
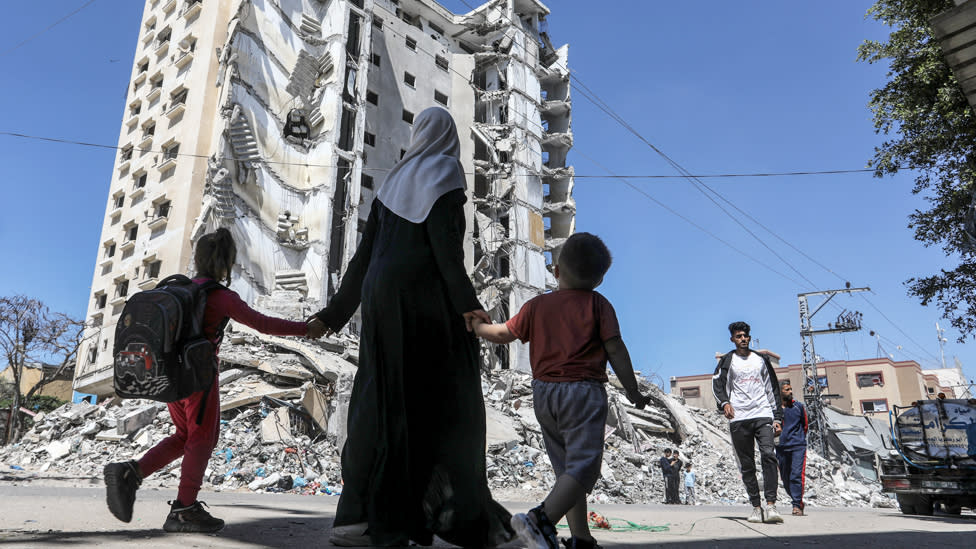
(279, 120)
(861, 387)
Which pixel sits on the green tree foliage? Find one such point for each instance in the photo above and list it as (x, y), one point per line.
(930, 128)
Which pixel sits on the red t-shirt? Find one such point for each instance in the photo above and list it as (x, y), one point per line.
(566, 330)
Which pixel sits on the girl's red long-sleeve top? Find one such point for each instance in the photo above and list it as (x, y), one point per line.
(223, 304)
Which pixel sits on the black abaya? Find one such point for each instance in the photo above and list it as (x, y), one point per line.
(414, 460)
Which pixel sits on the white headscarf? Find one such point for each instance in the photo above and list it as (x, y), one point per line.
(430, 169)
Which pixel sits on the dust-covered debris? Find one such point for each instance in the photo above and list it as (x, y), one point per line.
(283, 420)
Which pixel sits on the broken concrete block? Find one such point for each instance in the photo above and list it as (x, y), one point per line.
(276, 427)
(144, 438)
(137, 419)
(500, 428)
(90, 428)
(79, 412)
(59, 448)
(230, 376)
(315, 404)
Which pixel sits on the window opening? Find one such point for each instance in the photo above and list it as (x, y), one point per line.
(366, 181)
(162, 210)
(152, 270)
(411, 43)
(407, 116)
(352, 42)
(874, 406)
(347, 129)
(343, 172)
(372, 98)
(409, 79)
(369, 139)
(870, 379)
(442, 63)
(296, 125)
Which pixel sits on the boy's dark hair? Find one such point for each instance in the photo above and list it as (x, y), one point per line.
(688, 465)
(784, 383)
(667, 451)
(215, 255)
(583, 261)
(738, 327)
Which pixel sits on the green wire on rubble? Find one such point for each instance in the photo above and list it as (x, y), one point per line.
(630, 526)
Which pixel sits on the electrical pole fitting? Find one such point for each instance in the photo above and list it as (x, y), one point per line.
(812, 394)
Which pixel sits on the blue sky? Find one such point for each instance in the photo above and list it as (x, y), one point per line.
(720, 87)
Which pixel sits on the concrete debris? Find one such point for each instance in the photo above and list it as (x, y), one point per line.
(282, 430)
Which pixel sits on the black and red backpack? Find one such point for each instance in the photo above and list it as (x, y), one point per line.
(160, 351)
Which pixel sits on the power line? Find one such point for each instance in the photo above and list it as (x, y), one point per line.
(692, 223)
(49, 27)
(575, 150)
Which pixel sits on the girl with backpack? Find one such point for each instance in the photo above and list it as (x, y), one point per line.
(196, 432)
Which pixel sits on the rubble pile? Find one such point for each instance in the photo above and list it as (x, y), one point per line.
(283, 409)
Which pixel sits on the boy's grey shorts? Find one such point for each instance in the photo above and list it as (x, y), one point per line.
(573, 416)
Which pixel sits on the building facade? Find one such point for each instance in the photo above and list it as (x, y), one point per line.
(861, 387)
(279, 119)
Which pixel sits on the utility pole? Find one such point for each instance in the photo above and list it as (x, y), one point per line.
(812, 396)
(939, 331)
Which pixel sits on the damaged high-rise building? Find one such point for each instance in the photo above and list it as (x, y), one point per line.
(279, 119)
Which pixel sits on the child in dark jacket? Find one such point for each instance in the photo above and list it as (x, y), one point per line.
(573, 331)
(214, 258)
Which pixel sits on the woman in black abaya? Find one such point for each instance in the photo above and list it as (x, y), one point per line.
(414, 460)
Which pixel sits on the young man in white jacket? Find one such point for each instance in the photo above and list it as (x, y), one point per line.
(747, 392)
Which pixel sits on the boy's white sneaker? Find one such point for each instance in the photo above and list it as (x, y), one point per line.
(772, 516)
(757, 515)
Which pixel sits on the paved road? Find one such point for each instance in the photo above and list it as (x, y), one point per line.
(33, 516)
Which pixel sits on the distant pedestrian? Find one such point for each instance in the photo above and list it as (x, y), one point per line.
(667, 471)
(197, 416)
(573, 331)
(792, 449)
(676, 466)
(689, 485)
(747, 392)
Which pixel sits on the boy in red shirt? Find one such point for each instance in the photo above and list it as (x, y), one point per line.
(573, 331)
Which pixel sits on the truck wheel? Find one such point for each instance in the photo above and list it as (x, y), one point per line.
(924, 505)
(906, 502)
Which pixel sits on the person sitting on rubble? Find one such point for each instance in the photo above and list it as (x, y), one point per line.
(792, 448)
(196, 433)
(746, 391)
(572, 331)
(414, 460)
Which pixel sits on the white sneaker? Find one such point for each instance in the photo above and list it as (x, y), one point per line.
(772, 516)
(757, 515)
